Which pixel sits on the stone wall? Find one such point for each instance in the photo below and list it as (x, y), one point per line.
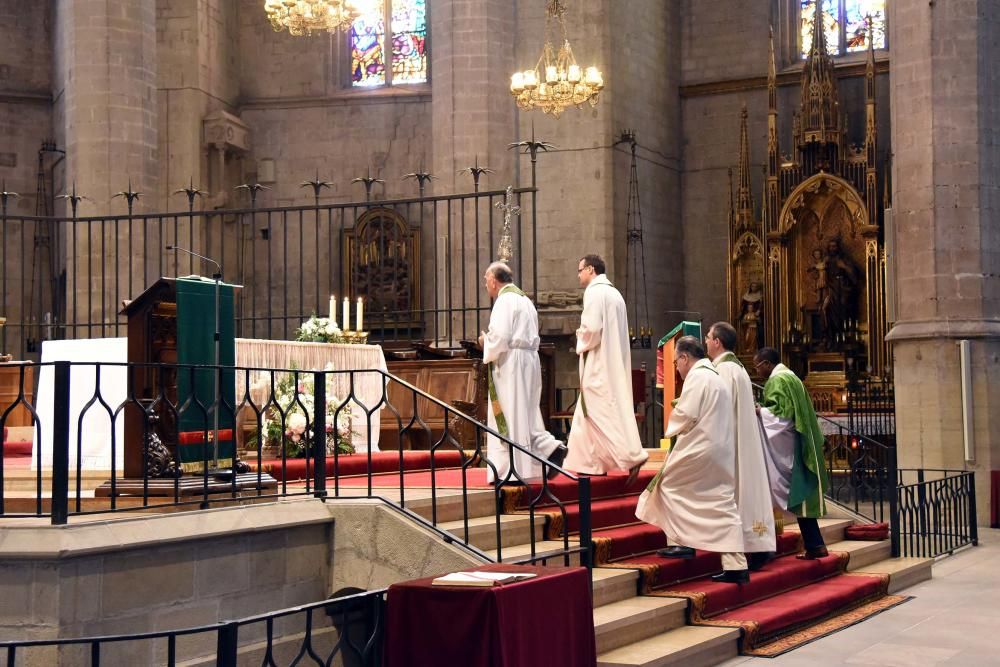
(174, 571)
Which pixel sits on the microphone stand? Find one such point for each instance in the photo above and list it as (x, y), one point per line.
(217, 276)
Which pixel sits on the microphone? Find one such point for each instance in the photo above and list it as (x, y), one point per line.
(199, 256)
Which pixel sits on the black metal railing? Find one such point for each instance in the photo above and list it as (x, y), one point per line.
(862, 471)
(347, 630)
(871, 409)
(136, 414)
(936, 512)
(417, 261)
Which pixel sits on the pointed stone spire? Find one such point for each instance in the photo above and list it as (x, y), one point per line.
(870, 118)
(744, 197)
(820, 115)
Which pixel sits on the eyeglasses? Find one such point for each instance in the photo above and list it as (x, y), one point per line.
(581, 270)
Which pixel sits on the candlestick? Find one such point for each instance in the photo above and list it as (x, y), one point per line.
(333, 308)
(347, 314)
(359, 318)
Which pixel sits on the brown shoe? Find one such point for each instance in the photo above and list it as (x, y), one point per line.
(633, 474)
(813, 554)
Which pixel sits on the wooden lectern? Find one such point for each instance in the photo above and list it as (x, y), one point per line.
(668, 380)
(173, 322)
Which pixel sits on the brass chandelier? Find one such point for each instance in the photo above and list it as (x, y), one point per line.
(557, 81)
(304, 17)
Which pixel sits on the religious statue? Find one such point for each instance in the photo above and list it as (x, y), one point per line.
(751, 311)
(839, 298)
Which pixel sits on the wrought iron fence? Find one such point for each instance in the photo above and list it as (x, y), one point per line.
(936, 512)
(132, 413)
(871, 409)
(347, 630)
(418, 262)
(862, 471)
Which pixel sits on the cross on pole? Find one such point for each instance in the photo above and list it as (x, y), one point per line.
(505, 250)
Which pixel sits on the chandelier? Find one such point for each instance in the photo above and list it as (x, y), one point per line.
(557, 81)
(303, 17)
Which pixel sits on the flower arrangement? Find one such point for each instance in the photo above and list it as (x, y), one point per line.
(294, 398)
(319, 330)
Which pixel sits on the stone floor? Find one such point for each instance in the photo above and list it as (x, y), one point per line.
(954, 619)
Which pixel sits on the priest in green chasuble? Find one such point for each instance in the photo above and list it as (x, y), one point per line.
(796, 464)
(604, 435)
(510, 350)
(753, 491)
(693, 498)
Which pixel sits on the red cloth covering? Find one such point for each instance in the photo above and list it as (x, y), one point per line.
(546, 621)
(873, 531)
(995, 499)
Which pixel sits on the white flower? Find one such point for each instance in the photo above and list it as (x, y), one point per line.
(297, 423)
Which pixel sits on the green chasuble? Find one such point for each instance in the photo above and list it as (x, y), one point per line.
(786, 397)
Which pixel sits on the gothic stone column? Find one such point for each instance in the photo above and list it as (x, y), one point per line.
(106, 79)
(945, 100)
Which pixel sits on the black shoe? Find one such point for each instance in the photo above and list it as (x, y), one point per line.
(676, 552)
(814, 554)
(759, 559)
(732, 577)
(556, 458)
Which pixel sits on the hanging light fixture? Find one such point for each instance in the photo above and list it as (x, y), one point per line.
(304, 17)
(557, 81)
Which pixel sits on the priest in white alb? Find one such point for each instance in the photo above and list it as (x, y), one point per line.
(510, 350)
(604, 435)
(753, 490)
(693, 498)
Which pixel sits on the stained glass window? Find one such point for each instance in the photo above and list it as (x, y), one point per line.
(407, 44)
(845, 23)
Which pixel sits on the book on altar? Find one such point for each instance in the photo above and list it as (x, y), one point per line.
(481, 578)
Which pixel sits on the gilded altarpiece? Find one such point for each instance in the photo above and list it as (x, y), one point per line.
(821, 253)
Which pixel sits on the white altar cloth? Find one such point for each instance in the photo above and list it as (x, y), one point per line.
(250, 353)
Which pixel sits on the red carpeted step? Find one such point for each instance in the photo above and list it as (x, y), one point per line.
(790, 610)
(358, 464)
(611, 485)
(777, 577)
(604, 513)
(444, 478)
(617, 543)
(658, 572)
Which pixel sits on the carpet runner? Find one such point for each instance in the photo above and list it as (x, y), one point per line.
(787, 603)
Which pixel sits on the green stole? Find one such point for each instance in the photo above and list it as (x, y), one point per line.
(786, 397)
(730, 357)
(653, 483)
(494, 398)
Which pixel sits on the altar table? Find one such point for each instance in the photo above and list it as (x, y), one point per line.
(546, 621)
(250, 353)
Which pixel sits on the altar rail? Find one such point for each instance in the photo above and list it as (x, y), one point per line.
(347, 631)
(59, 493)
(66, 277)
(936, 512)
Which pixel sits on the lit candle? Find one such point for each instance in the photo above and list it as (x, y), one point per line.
(574, 73)
(333, 308)
(530, 80)
(517, 82)
(347, 314)
(550, 74)
(360, 317)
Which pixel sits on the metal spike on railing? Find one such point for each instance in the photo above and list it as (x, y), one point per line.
(369, 181)
(476, 171)
(253, 189)
(73, 198)
(422, 178)
(130, 195)
(316, 185)
(191, 191)
(4, 195)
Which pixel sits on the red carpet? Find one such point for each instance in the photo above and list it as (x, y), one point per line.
(450, 478)
(357, 464)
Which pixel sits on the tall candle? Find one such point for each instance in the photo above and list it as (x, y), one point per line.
(333, 308)
(359, 318)
(346, 324)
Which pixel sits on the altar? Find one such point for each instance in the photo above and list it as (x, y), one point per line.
(95, 436)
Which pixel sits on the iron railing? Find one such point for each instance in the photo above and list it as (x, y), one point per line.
(417, 261)
(936, 512)
(347, 630)
(871, 409)
(267, 405)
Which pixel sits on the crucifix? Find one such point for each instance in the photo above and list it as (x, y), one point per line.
(505, 249)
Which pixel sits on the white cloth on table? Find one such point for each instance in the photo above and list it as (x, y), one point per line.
(693, 498)
(96, 439)
(604, 434)
(753, 490)
(95, 436)
(510, 345)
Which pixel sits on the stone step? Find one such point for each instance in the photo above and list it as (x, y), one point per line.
(515, 530)
(862, 553)
(552, 549)
(634, 619)
(903, 572)
(832, 529)
(614, 584)
(689, 645)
